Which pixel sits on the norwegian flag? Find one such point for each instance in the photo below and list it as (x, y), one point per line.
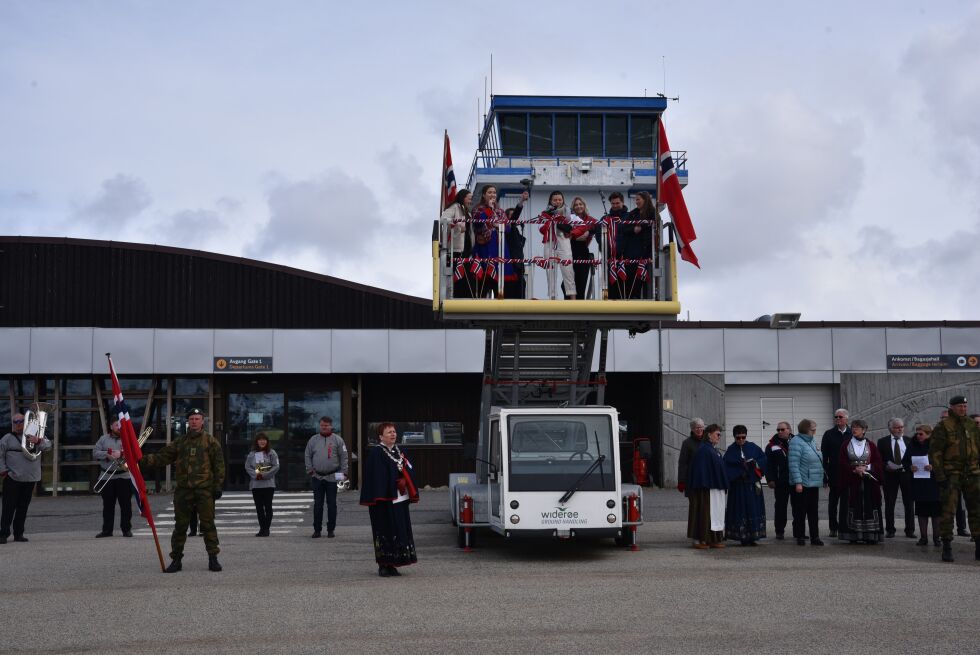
(477, 268)
(492, 271)
(669, 191)
(448, 176)
(617, 271)
(460, 271)
(642, 272)
(130, 446)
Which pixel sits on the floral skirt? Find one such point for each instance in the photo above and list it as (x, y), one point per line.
(391, 527)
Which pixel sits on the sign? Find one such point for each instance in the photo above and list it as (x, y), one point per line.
(927, 362)
(242, 364)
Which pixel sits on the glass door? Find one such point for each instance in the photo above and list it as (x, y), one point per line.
(305, 410)
(248, 414)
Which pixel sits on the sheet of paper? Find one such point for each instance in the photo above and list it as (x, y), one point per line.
(920, 462)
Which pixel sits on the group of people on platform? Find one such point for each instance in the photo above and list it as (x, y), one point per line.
(387, 486)
(934, 472)
(472, 236)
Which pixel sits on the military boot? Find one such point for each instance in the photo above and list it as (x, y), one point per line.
(947, 550)
(174, 566)
(213, 563)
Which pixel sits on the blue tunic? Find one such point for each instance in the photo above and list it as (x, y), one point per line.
(745, 513)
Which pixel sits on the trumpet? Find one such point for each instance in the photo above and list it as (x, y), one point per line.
(35, 422)
(119, 465)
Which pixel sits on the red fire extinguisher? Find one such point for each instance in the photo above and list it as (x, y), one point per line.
(641, 466)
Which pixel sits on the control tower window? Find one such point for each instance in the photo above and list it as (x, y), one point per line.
(616, 136)
(641, 136)
(513, 135)
(590, 134)
(542, 138)
(566, 136)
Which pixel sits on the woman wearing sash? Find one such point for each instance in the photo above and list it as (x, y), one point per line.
(708, 486)
(861, 473)
(387, 489)
(262, 464)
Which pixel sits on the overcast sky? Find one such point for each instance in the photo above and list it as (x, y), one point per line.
(834, 148)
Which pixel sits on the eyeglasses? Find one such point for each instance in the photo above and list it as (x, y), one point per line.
(843, 417)
(740, 437)
(18, 420)
(782, 429)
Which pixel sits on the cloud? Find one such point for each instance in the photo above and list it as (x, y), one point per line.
(121, 199)
(190, 226)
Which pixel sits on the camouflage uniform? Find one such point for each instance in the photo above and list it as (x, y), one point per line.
(199, 473)
(954, 451)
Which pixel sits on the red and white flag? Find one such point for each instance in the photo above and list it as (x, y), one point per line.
(448, 176)
(669, 190)
(130, 446)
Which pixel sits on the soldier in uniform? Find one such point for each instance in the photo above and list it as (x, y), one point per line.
(199, 474)
(954, 451)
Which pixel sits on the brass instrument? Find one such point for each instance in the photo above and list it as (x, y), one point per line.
(262, 469)
(119, 465)
(35, 422)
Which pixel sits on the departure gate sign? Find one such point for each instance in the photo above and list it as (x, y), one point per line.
(920, 362)
(242, 364)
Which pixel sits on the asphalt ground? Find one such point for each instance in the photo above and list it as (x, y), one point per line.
(66, 592)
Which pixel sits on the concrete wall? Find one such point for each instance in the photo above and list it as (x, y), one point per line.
(693, 395)
(914, 397)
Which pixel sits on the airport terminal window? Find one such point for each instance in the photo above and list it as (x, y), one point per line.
(24, 387)
(422, 433)
(566, 135)
(77, 428)
(616, 136)
(641, 136)
(513, 135)
(191, 386)
(77, 387)
(5, 405)
(590, 135)
(542, 139)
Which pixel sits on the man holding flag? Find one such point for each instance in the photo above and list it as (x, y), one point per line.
(199, 475)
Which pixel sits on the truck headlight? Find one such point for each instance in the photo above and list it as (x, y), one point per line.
(515, 519)
(611, 518)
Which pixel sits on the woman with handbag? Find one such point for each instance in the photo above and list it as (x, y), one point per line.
(387, 489)
(745, 513)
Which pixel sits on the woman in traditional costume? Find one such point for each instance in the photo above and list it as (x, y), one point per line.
(745, 514)
(861, 473)
(387, 489)
(487, 216)
(708, 486)
(925, 491)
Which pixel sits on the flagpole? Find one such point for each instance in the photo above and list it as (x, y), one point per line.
(658, 225)
(442, 169)
(153, 528)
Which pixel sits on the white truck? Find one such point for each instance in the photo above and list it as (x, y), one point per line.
(551, 472)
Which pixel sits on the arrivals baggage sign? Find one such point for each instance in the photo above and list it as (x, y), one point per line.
(242, 364)
(919, 362)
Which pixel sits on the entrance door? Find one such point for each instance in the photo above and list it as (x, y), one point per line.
(248, 414)
(304, 409)
(493, 475)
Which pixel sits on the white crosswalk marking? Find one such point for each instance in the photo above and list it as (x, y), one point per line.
(234, 513)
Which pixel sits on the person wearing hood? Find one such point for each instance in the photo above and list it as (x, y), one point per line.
(806, 474)
(860, 476)
(745, 513)
(777, 474)
(707, 489)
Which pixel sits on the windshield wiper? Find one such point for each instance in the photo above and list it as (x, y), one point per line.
(568, 494)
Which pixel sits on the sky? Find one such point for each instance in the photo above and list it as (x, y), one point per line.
(834, 147)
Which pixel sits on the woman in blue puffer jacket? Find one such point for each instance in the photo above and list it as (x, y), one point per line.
(806, 476)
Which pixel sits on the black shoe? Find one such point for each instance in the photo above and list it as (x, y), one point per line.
(947, 550)
(833, 534)
(961, 532)
(910, 535)
(383, 571)
(127, 533)
(816, 542)
(192, 533)
(213, 563)
(780, 536)
(329, 534)
(316, 535)
(976, 552)
(259, 534)
(923, 541)
(801, 542)
(22, 539)
(393, 572)
(890, 534)
(937, 542)
(3, 540)
(103, 534)
(174, 567)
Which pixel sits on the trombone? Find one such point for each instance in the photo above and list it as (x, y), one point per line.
(118, 465)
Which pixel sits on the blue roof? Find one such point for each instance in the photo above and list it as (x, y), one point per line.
(654, 104)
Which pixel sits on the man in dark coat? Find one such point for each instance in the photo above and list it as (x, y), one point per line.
(777, 473)
(833, 440)
(897, 477)
(688, 449)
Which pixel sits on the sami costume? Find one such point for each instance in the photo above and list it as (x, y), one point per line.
(485, 247)
(387, 489)
(745, 514)
(707, 486)
(860, 509)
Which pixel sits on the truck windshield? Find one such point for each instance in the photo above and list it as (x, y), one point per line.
(550, 453)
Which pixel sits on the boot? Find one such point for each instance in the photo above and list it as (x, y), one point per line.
(976, 552)
(393, 572)
(213, 563)
(174, 566)
(383, 571)
(947, 550)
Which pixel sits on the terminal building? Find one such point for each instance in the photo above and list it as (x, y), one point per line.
(263, 347)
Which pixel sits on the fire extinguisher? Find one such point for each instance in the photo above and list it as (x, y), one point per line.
(466, 520)
(633, 516)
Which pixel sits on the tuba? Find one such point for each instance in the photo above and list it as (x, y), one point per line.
(35, 422)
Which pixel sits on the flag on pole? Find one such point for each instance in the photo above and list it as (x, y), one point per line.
(448, 176)
(669, 192)
(130, 446)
